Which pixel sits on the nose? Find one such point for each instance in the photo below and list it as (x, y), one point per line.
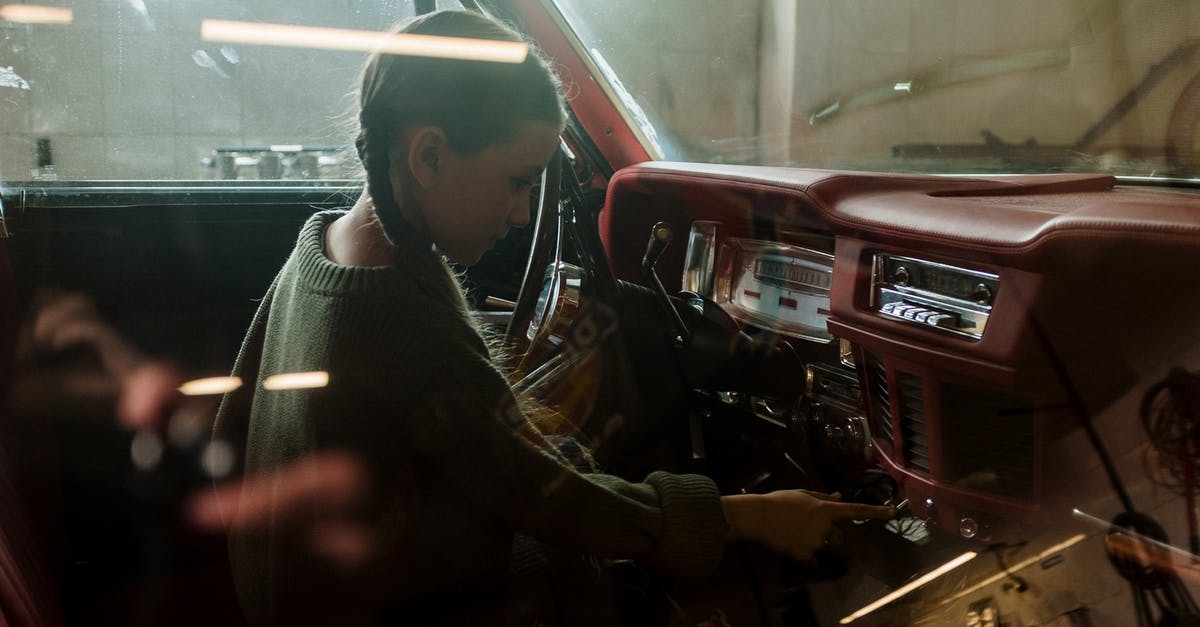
(518, 216)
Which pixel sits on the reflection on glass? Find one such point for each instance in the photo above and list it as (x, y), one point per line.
(296, 380)
(218, 459)
(1019, 566)
(910, 586)
(145, 450)
(210, 385)
(364, 41)
(35, 14)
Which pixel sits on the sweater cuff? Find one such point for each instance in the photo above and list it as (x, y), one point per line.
(694, 527)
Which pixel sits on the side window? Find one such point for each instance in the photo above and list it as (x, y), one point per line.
(145, 90)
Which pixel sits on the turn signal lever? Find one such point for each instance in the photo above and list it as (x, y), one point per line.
(660, 237)
(717, 353)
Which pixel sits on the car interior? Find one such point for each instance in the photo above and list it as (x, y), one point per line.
(1003, 346)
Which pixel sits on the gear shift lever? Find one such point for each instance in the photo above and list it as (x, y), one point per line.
(660, 236)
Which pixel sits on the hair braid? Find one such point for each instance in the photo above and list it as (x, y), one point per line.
(374, 156)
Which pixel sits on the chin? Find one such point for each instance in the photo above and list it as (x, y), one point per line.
(468, 259)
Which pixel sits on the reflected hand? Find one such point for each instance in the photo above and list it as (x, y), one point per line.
(795, 522)
(319, 498)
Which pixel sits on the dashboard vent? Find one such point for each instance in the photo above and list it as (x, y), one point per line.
(877, 392)
(911, 406)
(988, 441)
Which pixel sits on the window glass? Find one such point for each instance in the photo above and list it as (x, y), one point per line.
(936, 86)
(129, 89)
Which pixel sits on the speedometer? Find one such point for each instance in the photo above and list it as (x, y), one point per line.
(780, 287)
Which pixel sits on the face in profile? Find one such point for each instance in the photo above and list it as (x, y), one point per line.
(469, 202)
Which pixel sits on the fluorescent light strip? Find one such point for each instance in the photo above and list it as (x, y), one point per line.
(910, 586)
(296, 380)
(211, 385)
(34, 14)
(461, 48)
(1015, 568)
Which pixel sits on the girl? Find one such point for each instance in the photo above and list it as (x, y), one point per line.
(451, 150)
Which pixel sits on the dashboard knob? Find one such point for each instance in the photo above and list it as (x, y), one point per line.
(901, 276)
(982, 294)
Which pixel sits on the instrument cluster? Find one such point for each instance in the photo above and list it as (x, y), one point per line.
(778, 287)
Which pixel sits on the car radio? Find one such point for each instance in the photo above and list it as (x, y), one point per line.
(934, 295)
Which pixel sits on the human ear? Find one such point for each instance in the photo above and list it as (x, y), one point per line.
(426, 149)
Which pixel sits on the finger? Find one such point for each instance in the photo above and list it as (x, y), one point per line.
(836, 496)
(333, 480)
(59, 308)
(860, 511)
(146, 395)
(347, 545)
(835, 538)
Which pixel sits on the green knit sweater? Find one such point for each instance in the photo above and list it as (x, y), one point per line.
(414, 394)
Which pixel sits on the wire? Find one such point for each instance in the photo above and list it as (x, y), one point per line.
(1170, 416)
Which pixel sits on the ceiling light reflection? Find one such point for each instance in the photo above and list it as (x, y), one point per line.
(296, 380)
(210, 385)
(363, 41)
(910, 586)
(34, 14)
(1019, 566)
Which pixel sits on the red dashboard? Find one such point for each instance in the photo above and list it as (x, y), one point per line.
(1086, 286)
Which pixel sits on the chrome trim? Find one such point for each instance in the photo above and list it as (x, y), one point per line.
(827, 384)
(4, 234)
(927, 306)
(1165, 181)
(846, 352)
(701, 257)
(725, 292)
(557, 304)
(600, 79)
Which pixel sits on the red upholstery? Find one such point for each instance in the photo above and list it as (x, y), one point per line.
(26, 598)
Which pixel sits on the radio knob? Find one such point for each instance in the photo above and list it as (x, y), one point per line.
(982, 294)
(901, 276)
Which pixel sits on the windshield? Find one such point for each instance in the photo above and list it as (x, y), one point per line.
(937, 86)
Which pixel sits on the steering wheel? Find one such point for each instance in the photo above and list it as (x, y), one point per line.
(572, 353)
(550, 285)
(542, 251)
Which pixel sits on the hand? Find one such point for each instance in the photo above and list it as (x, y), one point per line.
(58, 322)
(318, 497)
(794, 522)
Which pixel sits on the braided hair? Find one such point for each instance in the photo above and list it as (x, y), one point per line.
(477, 104)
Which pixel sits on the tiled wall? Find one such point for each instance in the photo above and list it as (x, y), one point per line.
(128, 89)
(737, 80)
(846, 49)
